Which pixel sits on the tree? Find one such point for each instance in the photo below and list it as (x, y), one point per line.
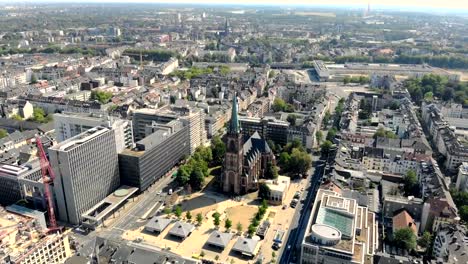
(464, 212)
(448, 94)
(167, 210)
(284, 160)
(16, 117)
(227, 223)
(197, 178)
(218, 149)
(425, 240)
(239, 227)
(346, 80)
(381, 132)
(405, 237)
(291, 119)
(102, 97)
(188, 215)
(326, 147)
(331, 134)
(326, 118)
(183, 175)
(300, 161)
(251, 229)
(199, 218)
(263, 191)
(429, 96)
(271, 171)
(278, 105)
(216, 221)
(410, 181)
(178, 211)
(319, 136)
(40, 116)
(3, 133)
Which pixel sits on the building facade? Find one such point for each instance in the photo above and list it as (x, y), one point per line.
(69, 124)
(86, 170)
(155, 155)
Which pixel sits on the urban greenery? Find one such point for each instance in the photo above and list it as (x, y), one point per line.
(3, 133)
(294, 158)
(102, 97)
(405, 238)
(40, 116)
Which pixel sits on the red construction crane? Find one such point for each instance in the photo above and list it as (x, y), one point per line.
(48, 179)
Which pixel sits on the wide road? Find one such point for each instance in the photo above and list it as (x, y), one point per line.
(290, 250)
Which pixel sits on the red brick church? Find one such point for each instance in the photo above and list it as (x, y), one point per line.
(246, 159)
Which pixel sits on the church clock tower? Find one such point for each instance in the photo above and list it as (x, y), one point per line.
(233, 160)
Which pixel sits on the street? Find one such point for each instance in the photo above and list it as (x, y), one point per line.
(129, 218)
(289, 250)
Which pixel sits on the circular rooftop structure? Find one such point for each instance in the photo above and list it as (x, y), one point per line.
(325, 234)
(121, 193)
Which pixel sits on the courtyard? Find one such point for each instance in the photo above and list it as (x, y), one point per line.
(239, 210)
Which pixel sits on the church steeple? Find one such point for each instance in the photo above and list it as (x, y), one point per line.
(234, 127)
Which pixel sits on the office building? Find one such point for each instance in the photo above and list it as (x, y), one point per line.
(86, 171)
(68, 124)
(339, 231)
(268, 128)
(10, 189)
(155, 155)
(194, 118)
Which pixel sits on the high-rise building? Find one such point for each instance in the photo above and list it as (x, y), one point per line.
(154, 155)
(339, 231)
(194, 118)
(86, 171)
(68, 124)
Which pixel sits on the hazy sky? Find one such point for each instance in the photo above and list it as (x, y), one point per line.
(425, 4)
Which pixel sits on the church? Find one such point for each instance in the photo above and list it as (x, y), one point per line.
(246, 158)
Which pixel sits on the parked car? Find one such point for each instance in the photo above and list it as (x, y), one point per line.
(275, 246)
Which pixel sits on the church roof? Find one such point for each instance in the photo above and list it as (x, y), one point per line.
(234, 126)
(255, 146)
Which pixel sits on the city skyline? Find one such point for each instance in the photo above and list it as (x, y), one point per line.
(430, 5)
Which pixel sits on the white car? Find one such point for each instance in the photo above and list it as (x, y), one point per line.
(159, 192)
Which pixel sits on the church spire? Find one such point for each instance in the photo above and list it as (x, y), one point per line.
(234, 127)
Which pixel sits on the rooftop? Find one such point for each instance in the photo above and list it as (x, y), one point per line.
(77, 140)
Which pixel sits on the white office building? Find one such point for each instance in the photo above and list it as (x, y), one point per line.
(86, 171)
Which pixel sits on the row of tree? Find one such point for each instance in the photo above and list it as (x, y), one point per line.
(356, 79)
(194, 171)
(255, 222)
(449, 62)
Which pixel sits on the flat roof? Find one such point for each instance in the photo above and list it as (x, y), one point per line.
(338, 220)
(77, 140)
(112, 201)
